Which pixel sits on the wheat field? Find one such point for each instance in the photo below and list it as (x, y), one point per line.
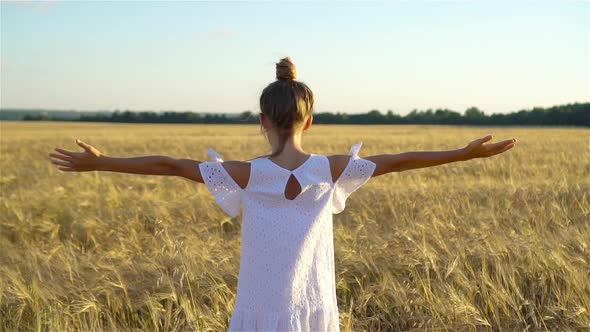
(496, 244)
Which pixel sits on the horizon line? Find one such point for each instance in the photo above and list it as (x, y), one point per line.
(240, 112)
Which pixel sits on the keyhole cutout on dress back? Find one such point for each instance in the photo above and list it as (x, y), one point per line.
(293, 188)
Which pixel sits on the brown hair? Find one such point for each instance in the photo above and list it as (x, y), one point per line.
(286, 102)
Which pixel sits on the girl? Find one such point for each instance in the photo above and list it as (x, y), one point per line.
(287, 198)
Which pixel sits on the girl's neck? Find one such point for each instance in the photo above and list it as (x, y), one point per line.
(292, 151)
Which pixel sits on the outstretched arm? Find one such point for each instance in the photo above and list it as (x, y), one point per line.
(387, 163)
(91, 159)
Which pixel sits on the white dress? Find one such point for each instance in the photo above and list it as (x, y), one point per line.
(287, 277)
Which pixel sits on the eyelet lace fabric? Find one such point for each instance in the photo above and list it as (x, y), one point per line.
(287, 278)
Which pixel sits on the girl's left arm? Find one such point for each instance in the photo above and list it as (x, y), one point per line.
(386, 163)
(91, 159)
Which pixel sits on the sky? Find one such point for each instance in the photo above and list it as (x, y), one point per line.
(499, 56)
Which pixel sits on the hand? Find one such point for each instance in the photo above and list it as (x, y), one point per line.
(69, 161)
(477, 149)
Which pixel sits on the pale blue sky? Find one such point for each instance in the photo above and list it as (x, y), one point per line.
(217, 57)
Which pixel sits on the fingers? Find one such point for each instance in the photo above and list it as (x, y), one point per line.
(506, 148)
(61, 163)
(503, 148)
(83, 145)
(499, 144)
(61, 156)
(66, 152)
(485, 139)
(512, 140)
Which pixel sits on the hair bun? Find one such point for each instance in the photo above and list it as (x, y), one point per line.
(286, 69)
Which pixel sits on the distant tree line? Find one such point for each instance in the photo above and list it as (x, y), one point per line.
(576, 114)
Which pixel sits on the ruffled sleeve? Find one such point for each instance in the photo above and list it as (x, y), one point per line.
(356, 173)
(227, 193)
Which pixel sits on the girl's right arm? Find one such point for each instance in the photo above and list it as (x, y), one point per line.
(91, 159)
(387, 163)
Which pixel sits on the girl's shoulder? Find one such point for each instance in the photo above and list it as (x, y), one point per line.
(239, 171)
(338, 163)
